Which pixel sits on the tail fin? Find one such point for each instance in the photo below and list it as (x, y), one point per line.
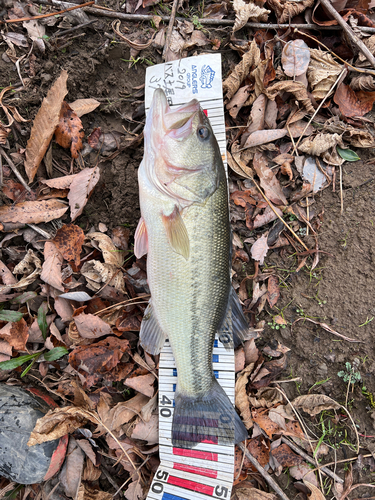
(210, 418)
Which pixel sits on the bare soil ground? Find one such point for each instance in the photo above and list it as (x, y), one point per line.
(339, 292)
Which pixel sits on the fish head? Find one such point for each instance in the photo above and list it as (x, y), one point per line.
(186, 161)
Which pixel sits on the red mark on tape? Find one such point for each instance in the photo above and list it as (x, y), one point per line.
(191, 485)
(196, 470)
(203, 455)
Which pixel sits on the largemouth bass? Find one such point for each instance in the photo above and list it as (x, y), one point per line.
(185, 231)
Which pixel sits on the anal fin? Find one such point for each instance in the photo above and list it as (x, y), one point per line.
(151, 335)
(234, 329)
(176, 232)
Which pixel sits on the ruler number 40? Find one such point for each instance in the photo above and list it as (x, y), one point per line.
(165, 401)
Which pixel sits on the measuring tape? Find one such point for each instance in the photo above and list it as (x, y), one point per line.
(207, 470)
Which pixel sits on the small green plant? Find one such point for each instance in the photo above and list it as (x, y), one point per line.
(351, 375)
(196, 22)
(275, 325)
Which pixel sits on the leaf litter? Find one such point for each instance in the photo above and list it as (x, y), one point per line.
(270, 101)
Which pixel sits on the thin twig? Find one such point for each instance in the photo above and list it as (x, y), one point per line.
(307, 457)
(13, 167)
(341, 193)
(170, 28)
(264, 473)
(348, 30)
(328, 329)
(1, 172)
(205, 21)
(318, 108)
(70, 30)
(42, 16)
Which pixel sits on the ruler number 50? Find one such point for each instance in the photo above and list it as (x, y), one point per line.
(221, 491)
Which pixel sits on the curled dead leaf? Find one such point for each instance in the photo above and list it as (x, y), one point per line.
(241, 397)
(91, 327)
(298, 89)
(69, 131)
(286, 10)
(241, 71)
(248, 11)
(56, 423)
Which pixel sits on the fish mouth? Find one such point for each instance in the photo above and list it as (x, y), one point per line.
(176, 122)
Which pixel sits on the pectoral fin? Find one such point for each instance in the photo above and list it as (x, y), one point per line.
(151, 335)
(140, 239)
(177, 233)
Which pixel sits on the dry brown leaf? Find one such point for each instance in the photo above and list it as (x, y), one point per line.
(147, 431)
(111, 254)
(316, 494)
(69, 240)
(143, 384)
(80, 190)
(256, 119)
(353, 103)
(263, 136)
(286, 10)
(298, 89)
(273, 290)
(285, 456)
(6, 275)
(361, 82)
(71, 472)
(69, 131)
(4, 132)
(295, 58)
(91, 473)
(87, 492)
(322, 73)
(238, 100)
(44, 125)
(315, 403)
(122, 413)
(241, 397)
(362, 60)
(248, 12)
(268, 180)
(16, 334)
(239, 359)
(51, 270)
(91, 327)
(86, 447)
(303, 471)
(266, 217)
(83, 106)
(241, 71)
(323, 145)
(36, 32)
(134, 491)
(259, 249)
(101, 360)
(299, 128)
(60, 182)
(241, 492)
(355, 136)
(30, 266)
(97, 273)
(58, 422)
(33, 212)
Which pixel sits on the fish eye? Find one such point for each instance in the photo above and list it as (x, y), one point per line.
(203, 133)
